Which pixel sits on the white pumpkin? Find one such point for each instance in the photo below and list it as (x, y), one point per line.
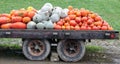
(64, 13)
(57, 10)
(38, 12)
(49, 25)
(49, 4)
(66, 10)
(31, 25)
(54, 17)
(47, 7)
(37, 18)
(45, 15)
(45, 22)
(40, 25)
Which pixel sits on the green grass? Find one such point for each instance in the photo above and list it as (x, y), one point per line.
(13, 43)
(89, 48)
(11, 46)
(108, 9)
(94, 49)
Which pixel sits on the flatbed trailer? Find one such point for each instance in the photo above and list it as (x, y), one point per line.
(69, 44)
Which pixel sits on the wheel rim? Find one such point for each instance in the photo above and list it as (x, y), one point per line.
(36, 47)
(71, 48)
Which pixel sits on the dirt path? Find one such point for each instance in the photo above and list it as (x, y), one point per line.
(13, 58)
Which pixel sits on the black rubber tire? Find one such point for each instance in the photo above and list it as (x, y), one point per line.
(40, 57)
(64, 57)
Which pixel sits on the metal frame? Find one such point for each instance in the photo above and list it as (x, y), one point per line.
(57, 34)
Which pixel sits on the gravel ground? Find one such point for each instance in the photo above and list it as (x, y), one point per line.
(111, 55)
(112, 48)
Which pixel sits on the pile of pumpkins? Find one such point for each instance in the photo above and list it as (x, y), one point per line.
(47, 16)
(17, 19)
(82, 19)
(53, 17)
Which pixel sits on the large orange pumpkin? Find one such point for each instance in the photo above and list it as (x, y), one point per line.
(22, 13)
(4, 20)
(5, 15)
(14, 13)
(31, 14)
(6, 26)
(16, 19)
(18, 25)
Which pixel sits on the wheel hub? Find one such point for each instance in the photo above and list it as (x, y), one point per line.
(71, 48)
(36, 47)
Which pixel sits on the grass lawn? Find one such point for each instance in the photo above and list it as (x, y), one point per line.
(108, 9)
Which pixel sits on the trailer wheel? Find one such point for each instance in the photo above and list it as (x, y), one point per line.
(71, 50)
(36, 49)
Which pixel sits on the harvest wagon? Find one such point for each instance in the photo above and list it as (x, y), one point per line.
(55, 30)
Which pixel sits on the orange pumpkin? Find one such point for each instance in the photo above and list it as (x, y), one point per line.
(78, 14)
(57, 27)
(16, 19)
(78, 19)
(70, 7)
(66, 24)
(95, 28)
(63, 27)
(60, 23)
(22, 13)
(83, 28)
(77, 27)
(67, 19)
(93, 15)
(84, 19)
(110, 28)
(72, 27)
(14, 13)
(67, 27)
(31, 14)
(83, 12)
(18, 25)
(72, 23)
(5, 15)
(104, 28)
(72, 17)
(26, 19)
(98, 18)
(71, 12)
(4, 20)
(6, 26)
(98, 23)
